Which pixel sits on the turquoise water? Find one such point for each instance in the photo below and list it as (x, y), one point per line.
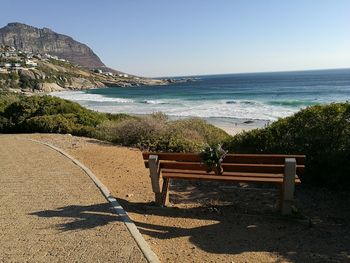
(256, 96)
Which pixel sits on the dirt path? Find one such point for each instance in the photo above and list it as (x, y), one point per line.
(208, 223)
(50, 211)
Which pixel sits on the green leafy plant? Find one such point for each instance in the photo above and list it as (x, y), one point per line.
(212, 157)
(156, 133)
(321, 132)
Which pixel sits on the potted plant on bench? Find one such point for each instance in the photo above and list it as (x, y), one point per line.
(212, 157)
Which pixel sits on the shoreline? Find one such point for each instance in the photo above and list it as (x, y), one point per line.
(236, 126)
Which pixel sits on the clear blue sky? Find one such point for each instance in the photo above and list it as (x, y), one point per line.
(187, 37)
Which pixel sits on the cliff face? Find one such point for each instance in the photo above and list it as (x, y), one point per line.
(45, 40)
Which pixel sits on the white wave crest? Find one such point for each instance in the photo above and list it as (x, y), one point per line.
(236, 109)
(153, 102)
(82, 96)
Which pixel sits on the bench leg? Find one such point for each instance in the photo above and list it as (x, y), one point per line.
(155, 178)
(165, 194)
(158, 199)
(287, 197)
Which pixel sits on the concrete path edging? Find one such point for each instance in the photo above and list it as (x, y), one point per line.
(141, 242)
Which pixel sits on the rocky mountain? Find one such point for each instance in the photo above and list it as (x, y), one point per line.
(29, 38)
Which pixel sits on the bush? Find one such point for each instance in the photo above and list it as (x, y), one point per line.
(157, 133)
(211, 134)
(51, 124)
(27, 82)
(21, 112)
(320, 132)
(7, 98)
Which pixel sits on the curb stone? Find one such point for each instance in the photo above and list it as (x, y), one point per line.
(150, 256)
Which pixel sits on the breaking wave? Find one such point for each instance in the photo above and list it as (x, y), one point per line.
(236, 109)
(293, 103)
(82, 96)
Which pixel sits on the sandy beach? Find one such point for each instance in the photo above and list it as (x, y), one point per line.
(230, 125)
(235, 126)
(215, 222)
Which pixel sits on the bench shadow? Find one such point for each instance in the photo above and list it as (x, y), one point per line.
(230, 232)
(80, 217)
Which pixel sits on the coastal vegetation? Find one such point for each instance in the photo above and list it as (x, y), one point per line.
(46, 114)
(321, 132)
(156, 132)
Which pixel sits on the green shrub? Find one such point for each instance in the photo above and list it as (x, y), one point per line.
(119, 117)
(177, 138)
(50, 124)
(25, 108)
(106, 131)
(26, 82)
(4, 123)
(60, 123)
(142, 132)
(7, 98)
(321, 132)
(157, 133)
(211, 134)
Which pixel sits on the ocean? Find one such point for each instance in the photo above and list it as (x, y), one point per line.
(230, 98)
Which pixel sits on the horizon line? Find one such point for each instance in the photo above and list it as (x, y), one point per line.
(249, 72)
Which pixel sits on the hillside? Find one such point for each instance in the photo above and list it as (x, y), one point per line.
(28, 38)
(29, 72)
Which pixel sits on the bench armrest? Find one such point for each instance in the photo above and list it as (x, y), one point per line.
(153, 162)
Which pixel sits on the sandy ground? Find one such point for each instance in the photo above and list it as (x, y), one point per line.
(234, 127)
(217, 222)
(50, 211)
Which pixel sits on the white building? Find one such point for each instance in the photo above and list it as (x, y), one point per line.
(31, 63)
(123, 75)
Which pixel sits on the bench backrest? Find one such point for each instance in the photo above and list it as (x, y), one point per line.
(250, 163)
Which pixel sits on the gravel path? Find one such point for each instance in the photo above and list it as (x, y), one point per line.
(216, 224)
(50, 211)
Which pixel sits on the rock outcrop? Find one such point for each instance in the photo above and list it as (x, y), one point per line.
(48, 87)
(28, 38)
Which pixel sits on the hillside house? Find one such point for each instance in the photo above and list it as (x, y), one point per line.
(31, 64)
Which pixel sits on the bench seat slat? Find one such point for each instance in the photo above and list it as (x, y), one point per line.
(262, 158)
(228, 167)
(178, 171)
(228, 178)
(230, 158)
(260, 177)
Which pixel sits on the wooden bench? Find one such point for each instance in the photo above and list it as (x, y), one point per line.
(275, 169)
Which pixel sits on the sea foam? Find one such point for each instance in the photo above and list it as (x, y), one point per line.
(82, 96)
